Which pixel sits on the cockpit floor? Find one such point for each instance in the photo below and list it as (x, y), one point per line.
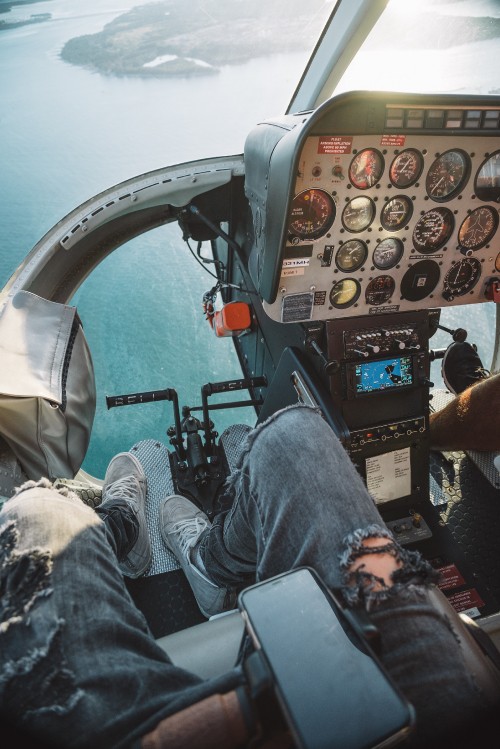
(471, 512)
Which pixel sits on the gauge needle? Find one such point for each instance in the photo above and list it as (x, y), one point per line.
(437, 184)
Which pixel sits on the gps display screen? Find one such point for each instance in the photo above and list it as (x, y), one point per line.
(383, 375)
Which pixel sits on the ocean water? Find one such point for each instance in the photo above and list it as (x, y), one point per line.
(65, 135)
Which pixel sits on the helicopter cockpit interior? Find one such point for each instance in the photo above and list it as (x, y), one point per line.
(339, 238)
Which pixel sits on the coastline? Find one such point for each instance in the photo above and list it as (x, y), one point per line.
(6, 7)
(172, 38)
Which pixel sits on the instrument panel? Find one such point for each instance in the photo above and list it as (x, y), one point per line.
(388, 222)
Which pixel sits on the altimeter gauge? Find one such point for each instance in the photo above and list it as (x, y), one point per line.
(461, 278)
(478, 228)
(312, 214)
(351, 255)
(406, 168)
(366, 168)
(387, 253)
(447, 175)
(433, 230)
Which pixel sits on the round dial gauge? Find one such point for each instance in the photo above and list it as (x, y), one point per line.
(358, 214)
(366, 168)
(388, 253)
(461, 278)
(396, 213)
(487, 182)
(351, 255)
(478, 228)
(312, 214)
(447, 175)
(420, 280)
(433, 230)
(344, 293)
(406, 168)
(380, 290)
(497, 263)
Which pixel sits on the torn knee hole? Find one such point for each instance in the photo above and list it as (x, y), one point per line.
(373, 565)
(23, 577)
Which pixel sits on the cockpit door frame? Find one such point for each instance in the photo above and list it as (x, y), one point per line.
(348, 26)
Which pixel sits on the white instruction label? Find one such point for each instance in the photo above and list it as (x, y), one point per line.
(388, 476)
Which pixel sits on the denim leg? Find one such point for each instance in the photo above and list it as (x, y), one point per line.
(78, 666)
(298, 500)
(296, 497)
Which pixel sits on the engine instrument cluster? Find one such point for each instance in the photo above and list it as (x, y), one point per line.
(388, 222)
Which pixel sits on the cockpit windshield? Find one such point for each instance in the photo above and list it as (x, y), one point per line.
(430, 46)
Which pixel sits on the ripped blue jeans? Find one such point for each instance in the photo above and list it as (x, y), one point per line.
(78, 665)
(298, 500)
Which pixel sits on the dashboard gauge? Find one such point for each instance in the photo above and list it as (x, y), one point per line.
(358, 214)
(433, 230)
(380, 290)
(351, 255)
(312, 214)
(478, 228)
(420, 280)
(447, 175)
(461, 278)
(366, 168)
(487, 182)
(396, 213)
(344, 293)
(387, 253)
(497, 263)
(406, 168)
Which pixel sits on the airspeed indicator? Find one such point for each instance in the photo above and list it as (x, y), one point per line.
(406, 168)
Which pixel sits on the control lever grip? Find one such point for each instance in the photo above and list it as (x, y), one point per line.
(436, 353)
(151, 396)
(130, 399)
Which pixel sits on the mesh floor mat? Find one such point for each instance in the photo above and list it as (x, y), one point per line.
(154, 458)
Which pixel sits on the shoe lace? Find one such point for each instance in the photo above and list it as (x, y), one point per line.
(124, 488)
(188, 532)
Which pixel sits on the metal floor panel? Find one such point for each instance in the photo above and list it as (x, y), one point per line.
(470, 508)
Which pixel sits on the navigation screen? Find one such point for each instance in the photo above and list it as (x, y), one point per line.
(383, 375)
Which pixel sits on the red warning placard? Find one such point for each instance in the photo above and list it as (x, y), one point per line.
(335, 144)
(466, 599)
(393, 140)
(450, 577)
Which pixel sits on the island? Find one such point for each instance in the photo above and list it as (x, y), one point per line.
(179, 38)
(7, 5)
(197, 37)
